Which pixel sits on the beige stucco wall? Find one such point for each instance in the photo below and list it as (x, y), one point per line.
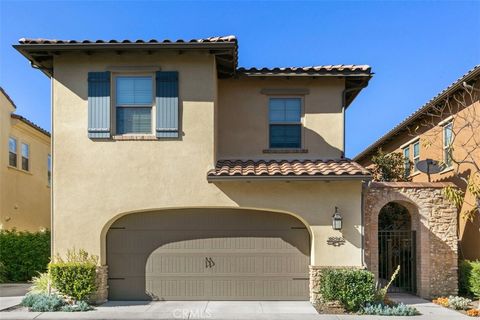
(243, 117)
(24, 196)
(96, 182)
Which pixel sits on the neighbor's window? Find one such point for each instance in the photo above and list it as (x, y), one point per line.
(134, 101)
(406, 161)
(447, 144)
(416, 155)
(12, 152)
(25, 157)
(285, 122)
(49, 170)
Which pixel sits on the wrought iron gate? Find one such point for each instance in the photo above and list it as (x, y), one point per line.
(397, 248)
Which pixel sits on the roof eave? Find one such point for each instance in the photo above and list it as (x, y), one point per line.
(289, 178)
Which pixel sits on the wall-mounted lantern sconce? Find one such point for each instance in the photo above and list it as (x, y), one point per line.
(337, 220)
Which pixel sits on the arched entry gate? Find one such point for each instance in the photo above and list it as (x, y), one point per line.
(208, 254)
(396, 248)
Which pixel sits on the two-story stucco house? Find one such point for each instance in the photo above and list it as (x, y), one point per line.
(25, 172)
(445, 129)
(193, 179)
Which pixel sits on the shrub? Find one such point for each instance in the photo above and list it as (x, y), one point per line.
(3, 273)
(381, 309)
(41, 283)
(473, 313)
(352, 288)
(76, 275)
(43, 302)
(80, 306)
(458, 303)
(441, 301)
(24, 254)
(469, 278)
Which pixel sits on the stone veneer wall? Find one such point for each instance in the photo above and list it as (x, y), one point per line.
(101, 295)
(435, 220)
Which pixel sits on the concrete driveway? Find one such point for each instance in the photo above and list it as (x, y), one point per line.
(234, 310)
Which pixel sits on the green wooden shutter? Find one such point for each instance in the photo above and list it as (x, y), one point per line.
(99, 105)
(167, 104)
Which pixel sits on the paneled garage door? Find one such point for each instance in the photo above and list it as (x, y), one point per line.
(208, 254)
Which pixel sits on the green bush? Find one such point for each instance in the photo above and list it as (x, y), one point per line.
(381, 309)
(23, 254)
(469, 278)
(43, 302)
(76, 276)
(352, 288)
(458, 303)
(80, 306)
(3, 273)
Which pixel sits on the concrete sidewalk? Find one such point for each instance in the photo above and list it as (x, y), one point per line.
(235, 310)
(11, 294)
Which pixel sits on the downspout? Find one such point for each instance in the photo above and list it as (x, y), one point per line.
(52, 161)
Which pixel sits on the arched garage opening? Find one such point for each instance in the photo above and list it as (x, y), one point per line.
(208, 254)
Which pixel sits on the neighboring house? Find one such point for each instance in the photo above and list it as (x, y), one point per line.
(424, 136)
(25, 174)
(192, 179)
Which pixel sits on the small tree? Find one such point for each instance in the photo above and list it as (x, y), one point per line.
(388, 166)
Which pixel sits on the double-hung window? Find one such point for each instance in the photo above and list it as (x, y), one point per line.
(12, 152)
(416, 155)
(406, 160)
(285, 123)
(447, 144)
(134, 104)
(25, 157)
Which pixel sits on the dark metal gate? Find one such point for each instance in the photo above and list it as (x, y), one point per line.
(397, 248)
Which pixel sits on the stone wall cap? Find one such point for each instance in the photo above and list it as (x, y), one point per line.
(412, 185)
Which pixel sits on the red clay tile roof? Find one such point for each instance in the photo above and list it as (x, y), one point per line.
(473, 73)
(30, 123)
(59, 41)
(311, 69)
(288, 168)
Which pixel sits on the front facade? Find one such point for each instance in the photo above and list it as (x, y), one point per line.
(450, 135)
(25, 174)
(192, 179)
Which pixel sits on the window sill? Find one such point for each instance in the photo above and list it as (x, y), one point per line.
(446, 170)
(135, 138)
(285, 151)
(18, 169)
(416, 173)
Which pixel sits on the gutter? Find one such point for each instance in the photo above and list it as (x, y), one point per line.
(211, 179)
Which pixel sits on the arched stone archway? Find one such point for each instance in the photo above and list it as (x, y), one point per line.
(435, 221)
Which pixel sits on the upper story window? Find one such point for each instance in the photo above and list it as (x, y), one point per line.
(49, 170)
(447, 143)
(285, 123)
(12, 152)
(134, 104)
(406, 160)
(416, 155)
(25, 157)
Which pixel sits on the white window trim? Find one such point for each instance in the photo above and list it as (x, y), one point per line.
(412, 141)
(16, 150)
(445, 147)
(413, 155)
(28, 158)
(113, 98)
(302, 120)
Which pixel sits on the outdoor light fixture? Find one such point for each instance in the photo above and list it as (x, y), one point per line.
(337, 220)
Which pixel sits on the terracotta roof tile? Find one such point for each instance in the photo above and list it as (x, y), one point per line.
(30, 123)
(59, 41)
(287, 168)
(310, 69)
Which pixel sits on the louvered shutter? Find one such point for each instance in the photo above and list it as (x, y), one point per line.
(167, 104)
(99, 105)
